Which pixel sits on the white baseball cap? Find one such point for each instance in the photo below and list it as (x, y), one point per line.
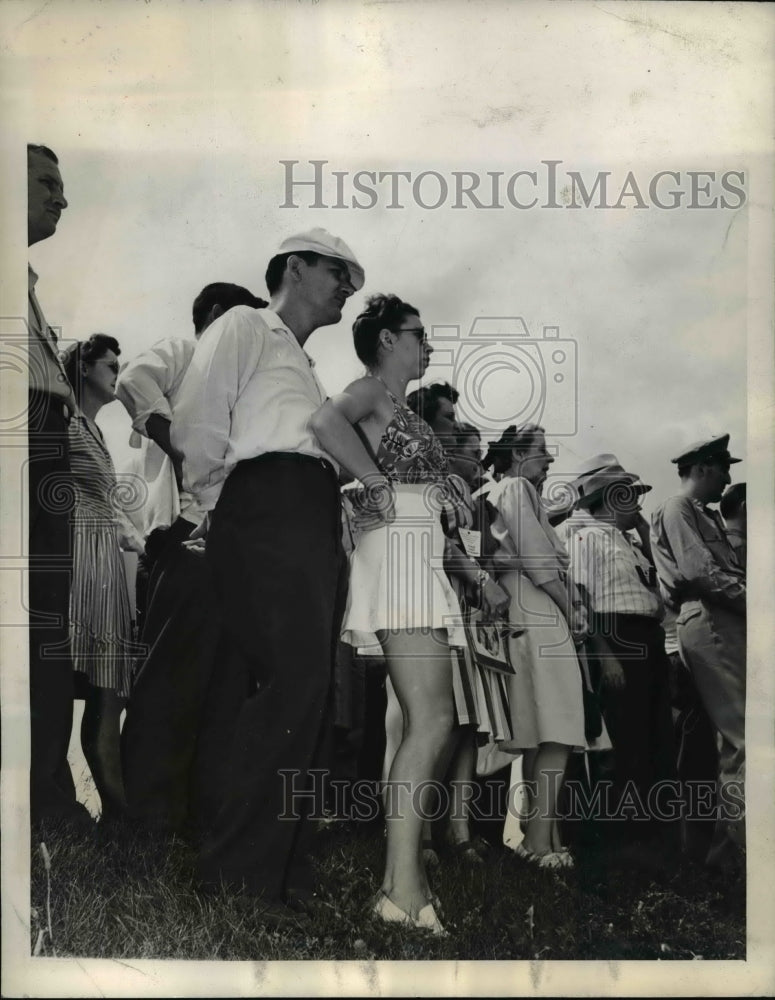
(320, 241)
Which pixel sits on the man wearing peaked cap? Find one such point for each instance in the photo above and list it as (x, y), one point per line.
(273, 543)
(702, 580)
(707, 452)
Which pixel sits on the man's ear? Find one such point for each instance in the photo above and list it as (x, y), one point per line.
(214, 313)
(293, 266)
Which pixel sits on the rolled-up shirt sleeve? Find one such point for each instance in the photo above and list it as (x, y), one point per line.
(224, 360)
(687, 567)
(538, 558)
(146, 383)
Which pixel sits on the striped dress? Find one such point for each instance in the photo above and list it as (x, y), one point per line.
(480, 695)
(100, 617)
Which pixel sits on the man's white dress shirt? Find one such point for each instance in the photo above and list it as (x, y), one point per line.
(150, 384)
(250, 389)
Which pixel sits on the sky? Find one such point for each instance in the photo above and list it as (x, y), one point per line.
(170, 121)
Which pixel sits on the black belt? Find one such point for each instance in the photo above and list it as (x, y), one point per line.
(297, 457)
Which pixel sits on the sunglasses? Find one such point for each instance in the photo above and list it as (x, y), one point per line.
(418, 331)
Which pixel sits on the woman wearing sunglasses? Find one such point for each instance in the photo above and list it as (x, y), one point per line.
(400, 601)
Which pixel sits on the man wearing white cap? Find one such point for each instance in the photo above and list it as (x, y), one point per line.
(273, 542)
(700, 575)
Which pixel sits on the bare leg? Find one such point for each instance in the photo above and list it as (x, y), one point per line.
(100, 740)
(421, 671)
(462, 776)
(546, 767)
(394, 731)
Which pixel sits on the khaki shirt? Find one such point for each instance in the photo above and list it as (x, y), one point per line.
(694, 559)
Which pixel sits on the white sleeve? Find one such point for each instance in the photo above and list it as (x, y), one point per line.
(225, 358)
(145, 383)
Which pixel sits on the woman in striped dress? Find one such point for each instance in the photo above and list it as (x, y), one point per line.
(481, 695)
(100, 616)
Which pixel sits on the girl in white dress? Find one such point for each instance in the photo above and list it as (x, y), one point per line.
(400, 600)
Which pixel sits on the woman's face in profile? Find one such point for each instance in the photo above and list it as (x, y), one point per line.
(534, 463)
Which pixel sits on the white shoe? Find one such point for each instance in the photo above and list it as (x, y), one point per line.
(426, 919)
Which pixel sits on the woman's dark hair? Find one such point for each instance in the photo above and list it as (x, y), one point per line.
(382, 312)
(275, 269)
(463, 434)
(425, 400)
(514, 438)
(84, 352)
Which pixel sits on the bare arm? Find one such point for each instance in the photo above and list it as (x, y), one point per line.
(157, 428)
(333, 425)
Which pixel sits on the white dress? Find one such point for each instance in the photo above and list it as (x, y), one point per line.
(545, 693)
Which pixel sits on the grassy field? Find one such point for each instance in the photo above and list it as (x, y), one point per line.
(120, 894)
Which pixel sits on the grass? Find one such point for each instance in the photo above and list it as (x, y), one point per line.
(121, 894)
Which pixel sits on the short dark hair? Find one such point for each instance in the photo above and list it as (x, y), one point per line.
(381, 312)
(275, 269)
(685, 470)
(425, 400)
(43, 151)
(513, 439)
(463, 434)
(224, 294)
(732, 501)
(86, 352)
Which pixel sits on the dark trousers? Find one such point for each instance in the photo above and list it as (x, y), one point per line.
(274, 547)
(52, 792)
(176, 713)
(639, 721)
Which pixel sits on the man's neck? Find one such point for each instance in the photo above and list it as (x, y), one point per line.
(694, 491)
(294, 315)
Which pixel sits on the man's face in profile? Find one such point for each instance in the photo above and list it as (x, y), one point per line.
(45, 197)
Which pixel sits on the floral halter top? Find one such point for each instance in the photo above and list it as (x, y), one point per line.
(409, 451)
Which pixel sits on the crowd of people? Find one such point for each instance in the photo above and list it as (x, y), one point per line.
(293, 545)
